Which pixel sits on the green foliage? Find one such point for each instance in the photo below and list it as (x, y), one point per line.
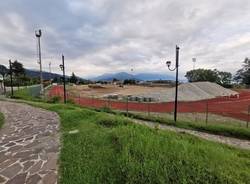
(226, 130)
(111, 121)
(54, 99)
(129, 81)
(129, 153)
(1, 119)
(73, 78)
(3, 71)
(17, 69)
(219, 77)
(243, 75)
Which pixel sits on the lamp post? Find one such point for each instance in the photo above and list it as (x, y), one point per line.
(64, 85)
(38, 34)
(176, 80)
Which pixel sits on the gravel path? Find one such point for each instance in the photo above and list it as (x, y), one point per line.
(238, 143)
(29, 145)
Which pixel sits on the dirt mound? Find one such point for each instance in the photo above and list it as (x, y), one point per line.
(193, 92)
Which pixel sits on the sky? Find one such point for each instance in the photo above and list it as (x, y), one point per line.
(107, 36)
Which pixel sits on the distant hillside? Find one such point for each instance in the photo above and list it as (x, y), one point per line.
(124, 75)
(46, 75)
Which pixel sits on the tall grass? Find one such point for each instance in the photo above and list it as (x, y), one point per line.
(111, 149)
(219, 129)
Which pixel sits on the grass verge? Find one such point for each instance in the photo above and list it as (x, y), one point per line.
(111, 149)
(1, 119)
(218, 129)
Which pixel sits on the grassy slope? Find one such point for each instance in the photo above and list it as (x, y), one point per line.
(227, 130)
(1, 120)
(219, 129)
(111, 149)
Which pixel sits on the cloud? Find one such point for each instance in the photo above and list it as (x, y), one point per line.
(98, 36)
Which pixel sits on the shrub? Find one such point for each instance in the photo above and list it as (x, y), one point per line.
(54, 99)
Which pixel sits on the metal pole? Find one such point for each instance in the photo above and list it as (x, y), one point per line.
(38, 35)
(64, 85)
(11, 80)
(176, 83)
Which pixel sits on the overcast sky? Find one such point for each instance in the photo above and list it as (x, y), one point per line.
(101, 36)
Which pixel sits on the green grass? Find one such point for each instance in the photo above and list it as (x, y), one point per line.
(111, 149)
(214, 128)
(218, 129)
(1, 119)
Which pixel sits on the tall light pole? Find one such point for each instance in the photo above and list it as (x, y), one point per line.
(62, 66)
(176, 80)
(38, 34)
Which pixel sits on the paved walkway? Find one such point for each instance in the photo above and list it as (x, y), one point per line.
(29, 145)
(238, 143)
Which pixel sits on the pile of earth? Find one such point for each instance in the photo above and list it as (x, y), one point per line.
(192, 92)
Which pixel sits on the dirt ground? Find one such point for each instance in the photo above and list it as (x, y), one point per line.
(103, 90)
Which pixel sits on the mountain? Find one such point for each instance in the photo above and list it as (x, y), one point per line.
(46, 75)
(140, 76)
(153, 76)
(110, 76)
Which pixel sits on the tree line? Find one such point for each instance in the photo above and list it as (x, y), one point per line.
(223, 78)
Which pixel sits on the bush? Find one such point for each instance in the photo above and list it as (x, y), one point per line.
(54, 99)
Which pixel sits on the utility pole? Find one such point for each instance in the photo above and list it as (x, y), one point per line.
(11, 80)
(62, 66)
(38, 34)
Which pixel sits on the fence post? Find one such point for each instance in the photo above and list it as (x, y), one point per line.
(206, 112)
(92, 100)
(148, 108)
(248, 114)
(109, 103)
(127, 105)
(79, 101)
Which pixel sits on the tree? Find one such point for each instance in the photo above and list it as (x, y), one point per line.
(4, 72)
(219, 77)
(17, 69)
(73, 78)
(243, 74)
(202, 75)
(225, 78)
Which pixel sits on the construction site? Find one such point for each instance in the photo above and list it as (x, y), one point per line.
(196, 101)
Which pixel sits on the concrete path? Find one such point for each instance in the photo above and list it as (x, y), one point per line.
(238, 143)
(29, 145)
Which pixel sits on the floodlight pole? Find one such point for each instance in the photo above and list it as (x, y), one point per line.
(38, 34)
(11, 79)
(176, 80)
